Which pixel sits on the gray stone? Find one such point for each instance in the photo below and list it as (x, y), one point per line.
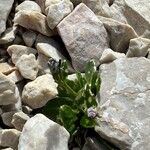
(119, 34)
(138, 47)
(16, 51)
(7, 91)
(131, 11)
(29, 6)
(19, 119)
(40, 133)
(41, 3)
(43, 64)
(33, 20)
(9, 138)
(57, 12)
(9, 35)
(5, 8)
(109, 55)
(124, 103)
(28, 66)
(38, 92)
(29, 38)
(83, 35)
(7, 118)
(99, 7)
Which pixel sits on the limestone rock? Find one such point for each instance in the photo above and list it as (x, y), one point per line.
(131, 11)
(16, 51)
(7, 118)
(57, 12)
(29, 6)
(6, 68)
(43, 64)
(51, 2)
(15, 76)
(41, 3)
(52, 135)
(99, 7)
(9, 138)
(138, 47)
(7, 149)
(119, 33)
(29, 38)
(5, 8)
(148, 54)
(19, 119)
(28, 66)
(33, 20)
(38, 92)
(83, 35)
(124, 116)
(109, 55)
(27, 110)
(7, 91)
(9, 35)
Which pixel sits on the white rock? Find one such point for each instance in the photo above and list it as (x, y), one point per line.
(138, 47)
(19, 119)
(41, 3)
(15, 76)
(7, 149)
(5, 8)
(7, 91)
(33, 20)
(9, 138)
(38, 92)
(51, 2)
(148, 54)
(43, 64)
(57, 12)
(28, 66)
(9, 35)
(40, 133)
(29, 6)
(29, 38)
(16, 51)
(109, 55)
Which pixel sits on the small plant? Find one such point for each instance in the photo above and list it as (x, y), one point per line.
(75, 105)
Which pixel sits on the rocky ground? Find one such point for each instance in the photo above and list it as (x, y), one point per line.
(113, 33)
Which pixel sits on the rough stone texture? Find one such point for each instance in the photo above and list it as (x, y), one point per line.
(138, 47)
(28, 66)
(57, 12)
(43, 64)
(52, 135)
(7, 149)
(148, 54)
(38, 92)
(16, 51)
(124, 116)
(51, 2)
(99, 7)
(7, 118)
(131, 11)
(83, 35)
(15, 76)
(5, 8)
(9, 138)
(9, 35)
(33, 20)
(6, 68)
(29, 38)
(7, 91)
(41, 3)
(29, 6)
(109, 55)
(19, 119)
(119, 34)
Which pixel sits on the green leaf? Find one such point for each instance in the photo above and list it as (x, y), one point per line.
(68, 117)
(87, 122)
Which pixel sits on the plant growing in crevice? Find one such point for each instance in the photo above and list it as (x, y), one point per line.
(75, 105)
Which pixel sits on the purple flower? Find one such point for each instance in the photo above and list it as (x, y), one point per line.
(91, 112)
